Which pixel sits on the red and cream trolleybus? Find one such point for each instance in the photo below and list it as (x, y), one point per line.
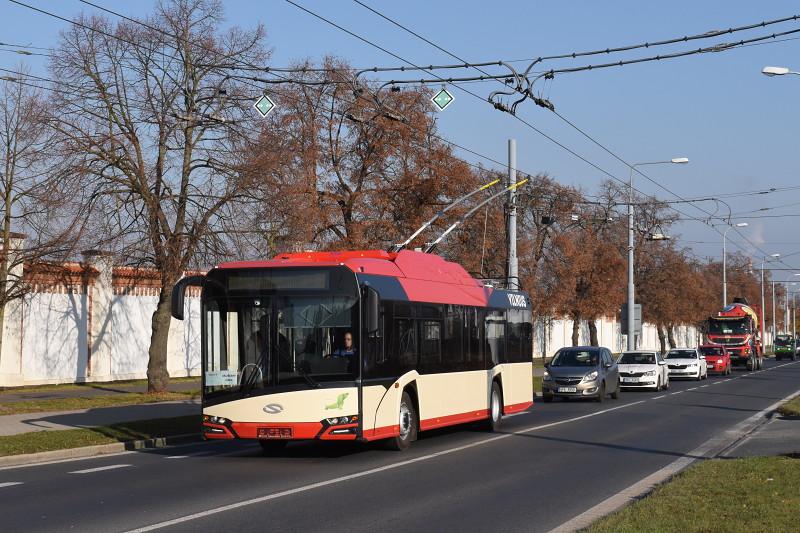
(357, 345)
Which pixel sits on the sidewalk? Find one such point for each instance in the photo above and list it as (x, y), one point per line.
(86, 418)
(90, 390)
(779, 436)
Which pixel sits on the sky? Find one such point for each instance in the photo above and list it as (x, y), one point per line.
(737, 126)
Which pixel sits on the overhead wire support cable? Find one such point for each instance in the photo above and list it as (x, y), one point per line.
(528, 91)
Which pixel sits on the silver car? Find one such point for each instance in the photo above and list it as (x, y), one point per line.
(581, 372)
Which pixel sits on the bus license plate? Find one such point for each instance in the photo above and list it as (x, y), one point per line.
(274, 433)
(567, 389)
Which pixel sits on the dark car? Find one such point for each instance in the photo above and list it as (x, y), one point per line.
(581, 372)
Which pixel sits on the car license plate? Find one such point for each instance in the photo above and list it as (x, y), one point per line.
(630, 380)
(567, 389)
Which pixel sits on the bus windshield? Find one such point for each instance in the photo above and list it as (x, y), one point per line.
(257, 339)
(728, 327)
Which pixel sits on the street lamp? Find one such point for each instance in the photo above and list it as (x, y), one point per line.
(777, 71)
(763, 304)
(724, 263)
(631, 289)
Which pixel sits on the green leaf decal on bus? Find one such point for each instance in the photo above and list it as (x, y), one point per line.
(339, 403)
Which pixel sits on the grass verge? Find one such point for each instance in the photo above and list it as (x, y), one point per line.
(731, 495)
(93, 385)
(537, 384)
(70, 404)
(45, 441)
(790, 408)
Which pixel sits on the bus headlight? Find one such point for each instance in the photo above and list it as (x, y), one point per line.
(340, 420)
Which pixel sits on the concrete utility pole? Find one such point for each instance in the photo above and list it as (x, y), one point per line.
(512, 268)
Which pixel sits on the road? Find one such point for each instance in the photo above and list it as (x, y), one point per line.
(548, 465)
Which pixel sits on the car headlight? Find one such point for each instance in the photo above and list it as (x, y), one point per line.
(546, 376)
(591, 376)
(650, 373)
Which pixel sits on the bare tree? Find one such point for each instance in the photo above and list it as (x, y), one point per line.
(41, 208)
(159, 120)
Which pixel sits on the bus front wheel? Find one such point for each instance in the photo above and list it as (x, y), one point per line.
(408, 425)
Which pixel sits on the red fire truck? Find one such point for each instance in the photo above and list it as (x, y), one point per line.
(737, 327)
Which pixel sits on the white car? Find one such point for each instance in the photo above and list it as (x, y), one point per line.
(643, 369)
(687, 363)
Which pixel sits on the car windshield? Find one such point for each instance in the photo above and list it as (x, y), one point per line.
(574, 357)
(682, 354)
(711, 350)
(783, 340)
(638, 358)
(729, 327)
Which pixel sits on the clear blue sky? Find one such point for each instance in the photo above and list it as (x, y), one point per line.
(738, 127)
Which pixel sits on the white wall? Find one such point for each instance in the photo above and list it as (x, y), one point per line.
(554, 334)
(54, 342)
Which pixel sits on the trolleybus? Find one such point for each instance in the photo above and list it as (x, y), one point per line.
(356, 345)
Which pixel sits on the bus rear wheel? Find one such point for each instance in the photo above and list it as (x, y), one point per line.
(408, 425)
(495, 408)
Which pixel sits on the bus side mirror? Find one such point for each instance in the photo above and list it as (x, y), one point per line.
(179, 294)
(372, 303)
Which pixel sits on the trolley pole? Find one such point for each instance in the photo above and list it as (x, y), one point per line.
(512, 269)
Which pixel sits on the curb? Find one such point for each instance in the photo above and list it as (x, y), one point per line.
(97, 450)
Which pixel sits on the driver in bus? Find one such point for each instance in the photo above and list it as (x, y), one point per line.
(348, 350)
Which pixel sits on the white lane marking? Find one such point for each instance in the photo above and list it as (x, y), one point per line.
(176, 457)
(715, 383)
(711, 448)
(69, 460)
(99, 469)
(658, 397)
(674, 393)
(363, 473)
(693, 388)
(517, 414)
(10, 484)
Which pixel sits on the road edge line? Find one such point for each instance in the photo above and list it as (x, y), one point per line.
(708, 450)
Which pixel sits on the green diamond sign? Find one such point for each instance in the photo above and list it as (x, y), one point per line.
(264, 105)
(442, 99)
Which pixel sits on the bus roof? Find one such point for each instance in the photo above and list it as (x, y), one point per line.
(405, 275)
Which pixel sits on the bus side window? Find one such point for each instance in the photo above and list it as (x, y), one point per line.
(495, 338)
(473, 327)
(405, 337)
(452, 355)
(430, 345)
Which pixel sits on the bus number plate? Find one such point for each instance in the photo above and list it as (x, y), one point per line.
(274, 433)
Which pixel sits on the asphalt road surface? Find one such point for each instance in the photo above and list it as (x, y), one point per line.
(548, 465)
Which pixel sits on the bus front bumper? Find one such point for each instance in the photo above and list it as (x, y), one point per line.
(329, 429)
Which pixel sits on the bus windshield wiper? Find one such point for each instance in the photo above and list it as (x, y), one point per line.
(303, 368)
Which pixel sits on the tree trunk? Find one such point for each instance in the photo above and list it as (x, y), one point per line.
(593, 333)
(576, 328)
(157, 374)
(662, 339)
(671, 337)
